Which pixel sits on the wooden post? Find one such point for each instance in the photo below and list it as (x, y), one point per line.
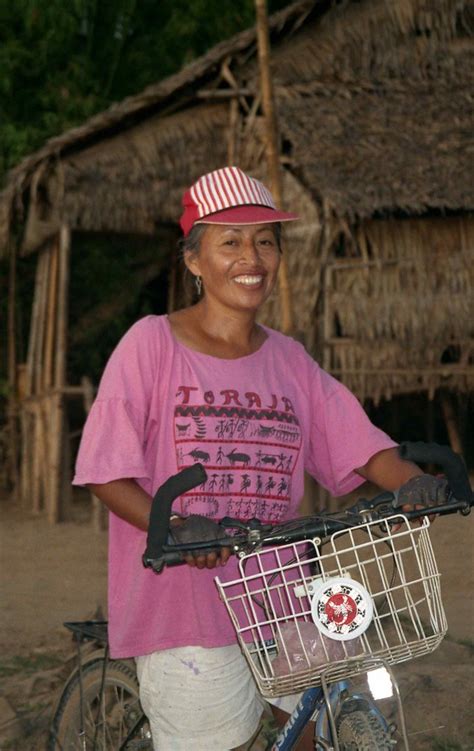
(57, 421)
(30, 494)
(12, 460)
(36, 439)
(26, 465)
(50, 326)
(40, 324)
(233, 126)
(62, 307)
(272, 150)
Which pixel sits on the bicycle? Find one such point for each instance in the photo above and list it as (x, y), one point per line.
(99, 705)
(317, 622)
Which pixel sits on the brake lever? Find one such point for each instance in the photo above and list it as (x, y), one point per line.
(248, 526)
(364, 505)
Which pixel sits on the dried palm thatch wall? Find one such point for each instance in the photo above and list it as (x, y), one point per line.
(399, 317)
(134, 183)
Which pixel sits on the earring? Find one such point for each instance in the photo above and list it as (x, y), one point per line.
(198, 283)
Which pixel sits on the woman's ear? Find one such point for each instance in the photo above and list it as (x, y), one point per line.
(191, 262)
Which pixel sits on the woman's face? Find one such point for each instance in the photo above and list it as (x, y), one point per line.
(238, 264)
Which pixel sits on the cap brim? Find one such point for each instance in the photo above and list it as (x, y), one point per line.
(248, 215)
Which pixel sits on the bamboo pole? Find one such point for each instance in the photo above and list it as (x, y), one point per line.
(12, 460)
(40, 325)
(232, 133)
(32, 342)
(272, 151)
(62, 307)
(30, 463)
(48, 374)
(55, 421)
(36, 438)
(26, 465)
(58, 433)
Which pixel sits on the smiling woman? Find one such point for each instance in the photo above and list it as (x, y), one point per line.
(238, 266)
(209, 384)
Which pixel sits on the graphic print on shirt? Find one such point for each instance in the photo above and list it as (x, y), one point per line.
(248, 443)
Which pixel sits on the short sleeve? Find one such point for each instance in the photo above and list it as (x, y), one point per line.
(113, 440)
(342, 438)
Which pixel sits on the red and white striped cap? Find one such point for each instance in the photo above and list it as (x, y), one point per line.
(229, 196)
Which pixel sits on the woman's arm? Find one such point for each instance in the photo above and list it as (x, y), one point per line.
(130, 502)
(387, 470)
(126, 499)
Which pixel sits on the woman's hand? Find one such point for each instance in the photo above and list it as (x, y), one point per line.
(413, 487)
(424, 490)
(196, 528)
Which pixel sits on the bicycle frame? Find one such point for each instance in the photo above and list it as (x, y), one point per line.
(312, 701)
(323, 703)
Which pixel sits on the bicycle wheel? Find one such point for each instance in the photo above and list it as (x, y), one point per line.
(108, 721)
(362, 731)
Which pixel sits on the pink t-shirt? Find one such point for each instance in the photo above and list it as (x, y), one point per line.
(256, 423)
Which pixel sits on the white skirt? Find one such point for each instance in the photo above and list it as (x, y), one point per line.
(199, 698)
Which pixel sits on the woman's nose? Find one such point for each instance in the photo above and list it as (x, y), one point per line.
(250, 251)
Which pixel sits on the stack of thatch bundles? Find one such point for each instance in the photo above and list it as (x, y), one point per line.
(402, 318)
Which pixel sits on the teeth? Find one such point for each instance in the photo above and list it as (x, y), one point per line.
(249, 279)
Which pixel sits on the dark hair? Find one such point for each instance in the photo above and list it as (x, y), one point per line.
(192, 242)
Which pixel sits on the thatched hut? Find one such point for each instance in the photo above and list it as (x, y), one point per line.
(374, 104)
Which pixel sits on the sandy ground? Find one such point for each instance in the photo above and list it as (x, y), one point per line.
(49, 574)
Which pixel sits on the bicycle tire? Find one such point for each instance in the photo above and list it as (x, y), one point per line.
(119, 711)
(361, 730)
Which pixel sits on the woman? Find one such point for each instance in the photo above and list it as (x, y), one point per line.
(209, 384)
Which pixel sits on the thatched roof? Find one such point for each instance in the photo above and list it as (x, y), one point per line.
(375, 111)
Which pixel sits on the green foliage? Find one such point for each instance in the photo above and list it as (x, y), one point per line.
(63, 60)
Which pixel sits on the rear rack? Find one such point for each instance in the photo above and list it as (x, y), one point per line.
(84, 630)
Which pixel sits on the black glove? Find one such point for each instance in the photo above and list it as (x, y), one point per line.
(196, 528)
(426, 490)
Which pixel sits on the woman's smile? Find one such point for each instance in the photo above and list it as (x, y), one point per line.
(249, 280)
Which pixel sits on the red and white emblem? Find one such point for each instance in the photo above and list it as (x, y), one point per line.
(341, 608)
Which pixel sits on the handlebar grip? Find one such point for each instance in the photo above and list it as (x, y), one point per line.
(163, 499)
(451, 463)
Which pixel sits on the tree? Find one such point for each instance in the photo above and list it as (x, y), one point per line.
(62, 61)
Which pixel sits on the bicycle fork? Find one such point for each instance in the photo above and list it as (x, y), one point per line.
(311, 702)
(325, 703)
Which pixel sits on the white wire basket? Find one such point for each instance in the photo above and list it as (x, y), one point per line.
(370, 592)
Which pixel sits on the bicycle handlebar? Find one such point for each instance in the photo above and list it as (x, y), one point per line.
(451, 463)
(158, 553)
(160, 513)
